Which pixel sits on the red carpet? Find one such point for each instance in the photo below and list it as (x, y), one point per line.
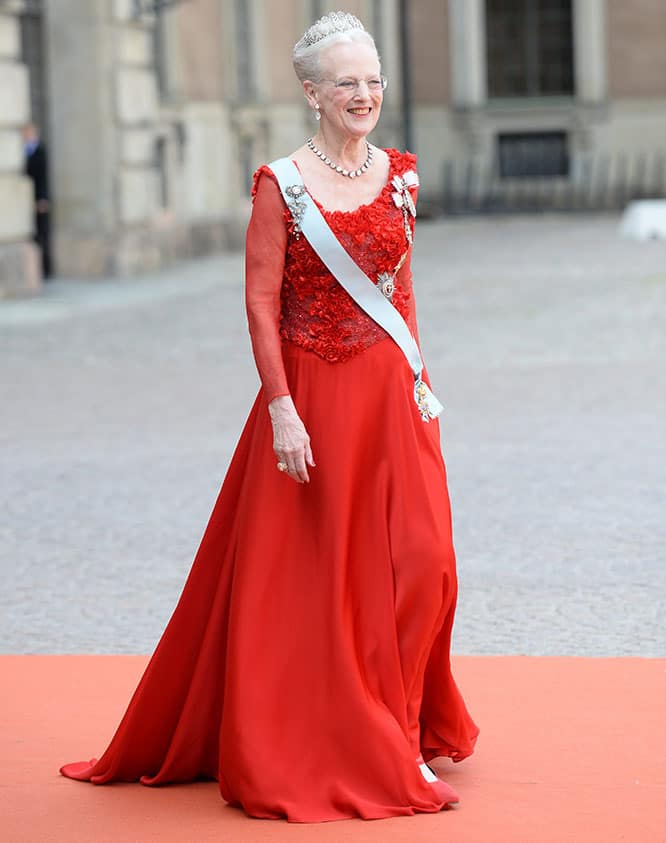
(571, 749)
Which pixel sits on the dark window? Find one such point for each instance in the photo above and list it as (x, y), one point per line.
(532, 154)
(530, 48)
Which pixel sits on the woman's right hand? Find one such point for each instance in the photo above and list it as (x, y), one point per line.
(291, 442)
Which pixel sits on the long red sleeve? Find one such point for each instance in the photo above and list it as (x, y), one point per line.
(404, 280)
(265, 249)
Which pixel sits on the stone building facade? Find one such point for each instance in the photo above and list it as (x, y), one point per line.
(156, 113)
(598, 85)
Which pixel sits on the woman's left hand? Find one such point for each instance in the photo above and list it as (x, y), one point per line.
(291, 442)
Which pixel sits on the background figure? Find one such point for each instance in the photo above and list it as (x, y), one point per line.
(36, 167)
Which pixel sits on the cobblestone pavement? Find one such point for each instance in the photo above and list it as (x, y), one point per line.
(546, 338)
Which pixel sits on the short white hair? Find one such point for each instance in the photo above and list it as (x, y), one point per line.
(333, 28)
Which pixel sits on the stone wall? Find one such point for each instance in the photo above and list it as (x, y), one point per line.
(198, 51)
(637, 48)
(430, 52)
(618, 110)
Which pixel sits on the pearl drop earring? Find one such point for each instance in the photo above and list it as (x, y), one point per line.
(317, 112)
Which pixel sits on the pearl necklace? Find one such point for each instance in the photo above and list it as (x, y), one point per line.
(337, 167)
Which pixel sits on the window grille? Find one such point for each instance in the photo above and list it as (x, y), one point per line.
(532, 154)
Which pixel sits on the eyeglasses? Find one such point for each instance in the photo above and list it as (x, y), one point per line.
(375, 84)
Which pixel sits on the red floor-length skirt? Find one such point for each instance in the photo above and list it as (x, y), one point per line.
(306, 664)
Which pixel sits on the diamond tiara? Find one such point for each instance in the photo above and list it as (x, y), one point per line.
(329, 25)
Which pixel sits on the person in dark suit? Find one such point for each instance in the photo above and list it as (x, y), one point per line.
(36, 167)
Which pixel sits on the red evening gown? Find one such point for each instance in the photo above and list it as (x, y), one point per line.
(306, 665)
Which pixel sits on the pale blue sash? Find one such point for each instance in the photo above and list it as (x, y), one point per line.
(309, 220)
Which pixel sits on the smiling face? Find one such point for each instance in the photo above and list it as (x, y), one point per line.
(349, 110)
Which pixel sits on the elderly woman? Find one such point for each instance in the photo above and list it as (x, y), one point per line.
(306, 666)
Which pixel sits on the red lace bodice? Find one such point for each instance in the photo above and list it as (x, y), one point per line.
(291, 296)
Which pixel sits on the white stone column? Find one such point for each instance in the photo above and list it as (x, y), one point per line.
(80, 55)
(19, 270)
(589, 24)
(467, 48)
(136, 113)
